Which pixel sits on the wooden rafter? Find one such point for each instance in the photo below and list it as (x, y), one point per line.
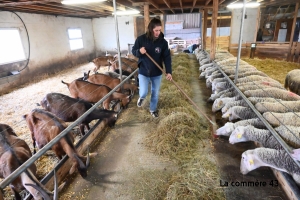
(167, 2)
(148, 2)
(47, 12)
(179, 8)
(180, 2)
(207, 2)
(194, 3)
(222, 1)
(23, 3)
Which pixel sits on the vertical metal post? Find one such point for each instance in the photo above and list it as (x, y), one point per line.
(201, 29)
(240, 42)
(117, 38)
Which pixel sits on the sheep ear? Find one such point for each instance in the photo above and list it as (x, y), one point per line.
(239, 135)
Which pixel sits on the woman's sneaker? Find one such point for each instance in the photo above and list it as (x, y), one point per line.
(154, 114)
(140, 102)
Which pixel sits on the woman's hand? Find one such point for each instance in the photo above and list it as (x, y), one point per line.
(169, 77)
(142, 50)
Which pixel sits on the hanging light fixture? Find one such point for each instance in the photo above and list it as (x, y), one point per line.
(69, 2)
(240, 4)
(127, 12)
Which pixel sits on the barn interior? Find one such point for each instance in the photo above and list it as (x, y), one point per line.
(45, 39)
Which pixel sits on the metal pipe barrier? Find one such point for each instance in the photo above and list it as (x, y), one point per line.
(36, 156)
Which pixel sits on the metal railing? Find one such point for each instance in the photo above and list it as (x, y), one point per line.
(36, 156)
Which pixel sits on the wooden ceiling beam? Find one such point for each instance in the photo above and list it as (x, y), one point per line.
(266, 3)
(194, 3)
(207, 2)
(167, 2)
(63, 11)
(178, 7)
(222, 1)
(28, 3)
(80, 8)
(180, 3)
(68, 14)
(147, 3)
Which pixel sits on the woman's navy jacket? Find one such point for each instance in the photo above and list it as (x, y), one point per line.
(158, 50)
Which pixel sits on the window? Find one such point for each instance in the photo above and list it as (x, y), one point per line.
(75, 39)
(11, 48)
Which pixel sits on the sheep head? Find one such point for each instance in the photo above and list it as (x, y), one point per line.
(238, 135)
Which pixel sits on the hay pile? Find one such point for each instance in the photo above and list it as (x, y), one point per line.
(276, 69)
(183, 137)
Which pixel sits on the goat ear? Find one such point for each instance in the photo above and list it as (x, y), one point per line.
(72, 169)
(34, 119)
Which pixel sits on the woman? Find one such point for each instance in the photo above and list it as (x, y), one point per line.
(156, 46)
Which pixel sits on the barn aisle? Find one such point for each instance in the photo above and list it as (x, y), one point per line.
(121, 163)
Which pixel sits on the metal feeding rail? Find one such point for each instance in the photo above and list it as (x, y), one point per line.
(42, 151)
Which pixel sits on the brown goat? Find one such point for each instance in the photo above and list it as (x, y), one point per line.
(13, 153)
(103, 79)
(70, 109)
(128, 65)
(102, 61)
(45, 126)
(93, 93)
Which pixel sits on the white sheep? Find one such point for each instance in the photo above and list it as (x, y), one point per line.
(243, 70)
(220, 102)
(211, 70)
(250, 133)
(204, 61)
(271, 83)
(215, 96)
(254, 86)
(212, 77)
(277, 159)
(274, 93)
(232, 93)
(217, 80)
(255, 100)
(277, 119)
(221, 86)
(252, 78)
(290, 134)
(234, 103)
(278, 107)
(208, 71)
(227, 129)
(239, 112)
(248, 73)
(203, 67)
